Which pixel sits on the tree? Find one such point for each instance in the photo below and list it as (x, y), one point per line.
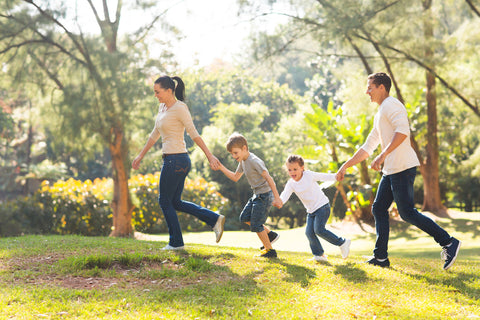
(356, 30)
(96, 79)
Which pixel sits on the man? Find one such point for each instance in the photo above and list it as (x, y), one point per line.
(391, 130)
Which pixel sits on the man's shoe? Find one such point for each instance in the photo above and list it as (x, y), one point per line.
(345, 248)
(322, 258)
(268, 253)
(169, 247)
(218, 228)
(384, 264)
(449, 253)
(272, 236)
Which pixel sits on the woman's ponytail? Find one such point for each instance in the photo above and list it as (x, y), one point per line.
(179, 89)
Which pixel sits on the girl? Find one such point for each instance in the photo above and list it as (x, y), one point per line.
(304, 184)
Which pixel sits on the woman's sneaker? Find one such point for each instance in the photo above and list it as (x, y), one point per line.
(345, 248)
(218, 228)
(449, 253)
(272, 236)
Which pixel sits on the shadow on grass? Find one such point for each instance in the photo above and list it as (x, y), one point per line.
(403, 230)
(462, 225)
(351, 272)
(459, 282)
(296, 273)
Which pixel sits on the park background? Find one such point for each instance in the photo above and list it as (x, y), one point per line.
(80, 232)
(77, 104)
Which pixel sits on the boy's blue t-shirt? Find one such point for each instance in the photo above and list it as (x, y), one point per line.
(253, 167)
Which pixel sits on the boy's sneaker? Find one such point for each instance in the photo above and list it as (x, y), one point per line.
(218, 227)
(169, 247)
(268, 253)
(322, 258)
(345, 248)
(272, 236)
(384, 263)
(449, 253)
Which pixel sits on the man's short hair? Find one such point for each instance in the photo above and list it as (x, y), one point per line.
(236, 140)
(381, 78)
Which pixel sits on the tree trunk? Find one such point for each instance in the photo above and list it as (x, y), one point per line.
(121, 204)
(431, 188)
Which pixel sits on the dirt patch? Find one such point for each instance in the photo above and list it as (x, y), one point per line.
(124, 277)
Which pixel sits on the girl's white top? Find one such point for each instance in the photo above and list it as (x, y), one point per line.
(308, 190)
(392, 117)
(171, 124)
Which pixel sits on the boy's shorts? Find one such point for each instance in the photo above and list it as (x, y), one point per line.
(256, 210)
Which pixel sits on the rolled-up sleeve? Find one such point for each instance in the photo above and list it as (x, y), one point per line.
(372, 142)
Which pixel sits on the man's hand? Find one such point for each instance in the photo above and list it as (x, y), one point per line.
(377, 162)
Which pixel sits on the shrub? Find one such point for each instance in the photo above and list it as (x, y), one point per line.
(76, 207)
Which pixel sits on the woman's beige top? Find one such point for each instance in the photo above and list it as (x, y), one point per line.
(171, 124)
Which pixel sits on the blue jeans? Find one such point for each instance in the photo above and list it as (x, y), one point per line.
(398, 187)
(316, 222)
(256, 209)
(172, 179)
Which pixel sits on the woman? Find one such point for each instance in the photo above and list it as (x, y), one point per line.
(172, 120)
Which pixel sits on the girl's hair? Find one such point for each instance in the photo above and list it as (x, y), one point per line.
(168, 83)
(293, 158)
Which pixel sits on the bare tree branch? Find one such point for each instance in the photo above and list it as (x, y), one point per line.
(387, 65)
(59, 24)
(44, 67)
(408, 56)
(360, 54)
(472, 6)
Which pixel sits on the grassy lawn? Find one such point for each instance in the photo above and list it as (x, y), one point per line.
(65, 277)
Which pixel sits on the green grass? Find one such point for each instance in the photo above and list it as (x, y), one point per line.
(72, 277)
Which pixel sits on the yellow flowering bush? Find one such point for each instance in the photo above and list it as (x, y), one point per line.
(77, 207)
(83, 207)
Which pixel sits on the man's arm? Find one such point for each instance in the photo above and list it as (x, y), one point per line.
(396, 141)
(358, 157)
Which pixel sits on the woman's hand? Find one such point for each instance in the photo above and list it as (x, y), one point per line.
(214, 162)
(136, 162)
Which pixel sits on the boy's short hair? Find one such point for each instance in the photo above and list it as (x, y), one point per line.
(293, 158)
(381, 78)
(236, 140)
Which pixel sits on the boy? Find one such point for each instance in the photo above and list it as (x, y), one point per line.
(264, 191)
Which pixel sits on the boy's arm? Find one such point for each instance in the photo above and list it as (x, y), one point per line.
(234, 176)
(277, 201)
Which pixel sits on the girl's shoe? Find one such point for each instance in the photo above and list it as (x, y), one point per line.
(322, 258)
(169, 247)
